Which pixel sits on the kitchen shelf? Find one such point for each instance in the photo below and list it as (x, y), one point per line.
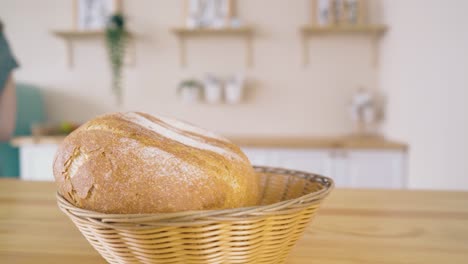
(69, 36)
(245, 32)
(77, 33)
(371, 30)
(198, 31)
(366, 29)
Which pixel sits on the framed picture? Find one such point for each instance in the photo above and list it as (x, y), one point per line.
(93, 14)
(341, 12)
(208, 13)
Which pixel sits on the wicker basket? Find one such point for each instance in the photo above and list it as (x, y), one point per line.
(260, 234)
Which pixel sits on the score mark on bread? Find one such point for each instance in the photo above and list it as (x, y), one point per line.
(173, 133)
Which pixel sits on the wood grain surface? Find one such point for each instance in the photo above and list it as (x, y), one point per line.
(345, 142)
(353, 226)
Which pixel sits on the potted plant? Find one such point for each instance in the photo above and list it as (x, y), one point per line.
(189, 90)
(116, 38)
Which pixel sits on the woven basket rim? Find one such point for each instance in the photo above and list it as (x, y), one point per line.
(198, 217)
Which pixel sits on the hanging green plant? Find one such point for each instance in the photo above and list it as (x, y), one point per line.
(116, 38)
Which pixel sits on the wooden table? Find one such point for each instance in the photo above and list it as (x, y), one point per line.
(353, 226)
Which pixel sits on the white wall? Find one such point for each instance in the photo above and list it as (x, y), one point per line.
(424, 71)
(284, 97)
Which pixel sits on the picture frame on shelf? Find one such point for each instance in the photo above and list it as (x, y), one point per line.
(338, 12)
(208, 13)
(92, 15)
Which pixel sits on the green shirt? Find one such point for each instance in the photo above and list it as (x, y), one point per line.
(7, 61)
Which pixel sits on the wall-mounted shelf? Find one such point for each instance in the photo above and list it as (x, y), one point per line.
(78, 33)
(198, 31)
(366, 29)
(245, 32)
(70, 35)
(373, 31)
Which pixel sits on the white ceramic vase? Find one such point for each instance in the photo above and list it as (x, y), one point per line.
(213, 90)
(234, 89)
(213, 93)
(233, 93)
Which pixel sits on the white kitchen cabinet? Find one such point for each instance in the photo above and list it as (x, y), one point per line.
(376, 169)
(348, 168)
(339, 169)
(36, 162)
(295, 159)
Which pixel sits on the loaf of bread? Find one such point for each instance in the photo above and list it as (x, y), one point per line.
(132, 163)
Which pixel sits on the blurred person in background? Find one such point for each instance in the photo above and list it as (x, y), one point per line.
(7, 89)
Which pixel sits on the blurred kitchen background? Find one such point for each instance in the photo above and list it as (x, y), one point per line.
(371, 93)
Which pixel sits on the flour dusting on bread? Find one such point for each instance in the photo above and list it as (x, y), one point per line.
(176, 136)
(191, 129)
(173, 166)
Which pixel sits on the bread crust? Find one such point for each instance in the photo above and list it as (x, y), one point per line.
(131, 163)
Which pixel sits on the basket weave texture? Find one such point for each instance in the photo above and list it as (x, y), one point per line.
(259, 234)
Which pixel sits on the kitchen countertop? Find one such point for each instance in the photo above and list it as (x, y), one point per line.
(345, 142)
(353, 226)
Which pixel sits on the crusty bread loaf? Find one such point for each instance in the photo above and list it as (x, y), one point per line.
(132, 162)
